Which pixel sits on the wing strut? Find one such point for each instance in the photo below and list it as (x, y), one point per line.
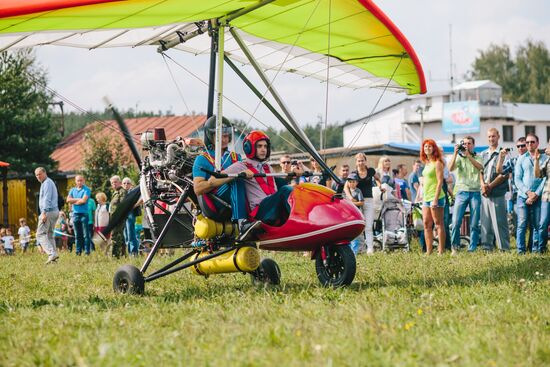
(291, 124)
(219, 96)
(212, 71)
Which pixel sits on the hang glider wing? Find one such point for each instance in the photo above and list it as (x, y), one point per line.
(366, 49)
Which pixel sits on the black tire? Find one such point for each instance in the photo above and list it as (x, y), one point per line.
(340, 268)
(268, 273)
(128, 279)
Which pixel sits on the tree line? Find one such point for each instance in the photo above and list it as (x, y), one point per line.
(30, 121)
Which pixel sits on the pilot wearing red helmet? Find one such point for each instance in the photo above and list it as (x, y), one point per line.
(266, 196)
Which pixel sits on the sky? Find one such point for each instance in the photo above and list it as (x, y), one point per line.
(139, 78)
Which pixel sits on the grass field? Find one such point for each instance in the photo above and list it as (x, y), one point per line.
(402, 310)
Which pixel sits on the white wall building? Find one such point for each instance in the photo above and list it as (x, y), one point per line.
(401, 122)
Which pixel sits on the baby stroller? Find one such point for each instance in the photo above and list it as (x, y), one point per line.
(394, 225)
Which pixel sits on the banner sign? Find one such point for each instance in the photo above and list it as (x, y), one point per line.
(461, 117)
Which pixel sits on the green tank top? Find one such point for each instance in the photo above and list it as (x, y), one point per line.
(430, 183)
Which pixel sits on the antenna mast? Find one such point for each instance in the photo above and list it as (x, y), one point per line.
(451, 59)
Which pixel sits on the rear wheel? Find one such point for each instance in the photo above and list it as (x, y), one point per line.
(128, 279)
(338, 269)
(268, 273)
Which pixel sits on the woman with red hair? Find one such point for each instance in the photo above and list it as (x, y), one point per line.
(434, 197)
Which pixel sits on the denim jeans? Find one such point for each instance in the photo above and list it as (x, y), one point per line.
(275, 209)
(80, 224)
(446, 223)
(528, 213)
(544, 221)
(130, 235)
(462, 200)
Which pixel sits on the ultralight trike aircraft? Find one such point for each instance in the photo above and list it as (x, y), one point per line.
(349, 43)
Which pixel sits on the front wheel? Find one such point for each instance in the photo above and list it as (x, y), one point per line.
(338, 268)
(268, 273)
(128, 279)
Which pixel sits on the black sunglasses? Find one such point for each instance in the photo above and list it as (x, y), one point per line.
(285, 162)
(520, 146)
(531, 142)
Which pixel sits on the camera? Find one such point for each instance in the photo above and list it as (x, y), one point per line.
(461, 147)
(294, 163)
(508, 150)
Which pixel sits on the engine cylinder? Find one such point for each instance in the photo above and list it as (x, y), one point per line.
(206, 228)
(242, 259)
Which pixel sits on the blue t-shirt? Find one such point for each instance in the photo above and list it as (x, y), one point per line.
(79, 194)
(403, 186)
(202, 162)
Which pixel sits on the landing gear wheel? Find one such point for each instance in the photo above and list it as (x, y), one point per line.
(128, 279)
(339, 268)
(268, 273)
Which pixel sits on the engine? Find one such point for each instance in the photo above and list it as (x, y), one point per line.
(168, 164)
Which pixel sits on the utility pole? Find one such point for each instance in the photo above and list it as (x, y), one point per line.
(421, 125)
(420, 109)
(62, 128)
(451, 58)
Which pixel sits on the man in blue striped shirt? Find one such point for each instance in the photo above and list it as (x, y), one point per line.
(48, 214)
(529, 192)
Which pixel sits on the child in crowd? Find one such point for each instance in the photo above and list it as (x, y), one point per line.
(7, 239)
(358, 200)
(24, 233)
(70, 233)
(60, 232)
(101, 219)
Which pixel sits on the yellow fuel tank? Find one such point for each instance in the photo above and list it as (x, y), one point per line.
(243, 259)
(206, 228)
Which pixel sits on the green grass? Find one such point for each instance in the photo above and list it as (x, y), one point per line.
(402, 310)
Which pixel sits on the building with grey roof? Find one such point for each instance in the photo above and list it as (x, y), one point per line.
(408, 120)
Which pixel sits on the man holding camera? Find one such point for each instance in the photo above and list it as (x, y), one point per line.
(493, 188)
(468, 166)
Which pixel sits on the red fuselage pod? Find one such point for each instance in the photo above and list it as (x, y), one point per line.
(316, 218)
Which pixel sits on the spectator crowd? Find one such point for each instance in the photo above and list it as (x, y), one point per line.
(496, 194)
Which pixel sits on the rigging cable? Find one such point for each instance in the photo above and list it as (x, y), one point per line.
(80, 109)
(321, 145)
(367, 120)
(296, 39)
(178, 89)
(229, 100)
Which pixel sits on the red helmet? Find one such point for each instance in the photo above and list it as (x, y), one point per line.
(249, 143)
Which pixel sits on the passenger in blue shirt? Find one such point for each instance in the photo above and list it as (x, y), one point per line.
(529, 192)
(225, 188)
(78, 198)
